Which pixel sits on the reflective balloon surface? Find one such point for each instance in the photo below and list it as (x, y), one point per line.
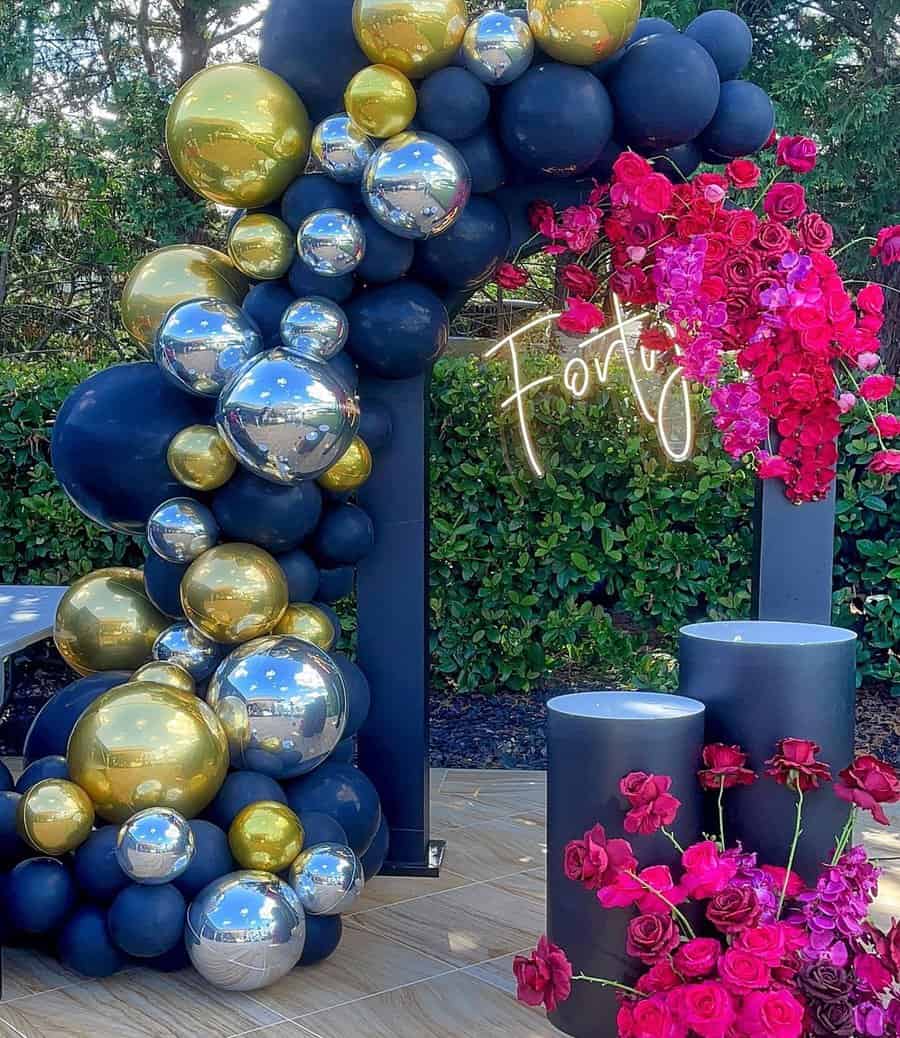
(287, 418)
(497, 47)
(414, 36)
(266, 835)
(202, 342)
(314, 327)
(169, 674)
(155, 846)
(181, 529)
(350, 471)
(199, 458)
(416, 185)
(282, 702)
(238, 135)
(331, 242)
(309, 623)
(580, 32)
(261, 246)
(328, 879)
(55, 816)
(380, 100)
(341, 149)
(245, 931)
(183, 645)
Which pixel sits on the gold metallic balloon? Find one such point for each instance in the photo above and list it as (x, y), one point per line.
(161, 672)
(173, 275)
(266, 835)
(142, 744)
(415, 36)
(238, 135)
(261, 246)
(580, 32)
(234, 592)
(351, 469)
(309, 623)
(199, 458)
(105, 621)
(55, 816)
(380, 100)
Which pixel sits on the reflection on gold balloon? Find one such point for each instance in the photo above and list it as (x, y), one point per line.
(238, 135)
(351, 469)
(105, 621)
(580, 32)
(55, 816)
(266, 835)
(261, 246)
(148, 745)
(380, 100)
(172, 275)
(309, 623)
(161, 672)
(199, 458)
(415, 36)
(234, 592)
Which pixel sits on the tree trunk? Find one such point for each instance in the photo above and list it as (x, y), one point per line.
(193, 41)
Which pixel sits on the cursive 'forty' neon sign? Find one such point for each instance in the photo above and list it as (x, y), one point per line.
(663, 398)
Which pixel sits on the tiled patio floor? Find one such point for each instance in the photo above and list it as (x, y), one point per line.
(419, 958)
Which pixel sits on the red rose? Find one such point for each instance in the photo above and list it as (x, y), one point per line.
(595, 861)
(580, 318)
(698, 957)
(797, 153)
(651, 937)
(650, 890)
(653, 193)
(766, 942)
(885, 463)
(630, 168)
(777, 874)
(785, 202)
(652, 805)
(541, 214)
(660, 977)
(877, 387)
(734, 909)
(771, 1014)
(742, 227)
(887, 245)
(545, 977)
(795, 766)
(655, 339)
(815, 232)
(871, 299)
(741, 971)
(650, 1018)
(740, 270)
(773, 238)
(887, 424)
(725, 766)
(511, 277)
(743, 173)
(579, 281)
(869, 783)
(706, 1008)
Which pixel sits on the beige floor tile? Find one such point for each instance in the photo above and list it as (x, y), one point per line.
(881, 841)
(498, 972)
(528, 786)
(288, 1029)
(437, 779)
(454, 811)
(26, 972)
(887, 907)
(388, 890)
(487, 850)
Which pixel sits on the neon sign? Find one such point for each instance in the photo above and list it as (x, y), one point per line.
(663, 398)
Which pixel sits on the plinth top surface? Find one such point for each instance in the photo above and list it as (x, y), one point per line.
(626, 706)
(768, 632)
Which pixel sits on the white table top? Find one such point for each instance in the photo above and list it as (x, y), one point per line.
(26, 615)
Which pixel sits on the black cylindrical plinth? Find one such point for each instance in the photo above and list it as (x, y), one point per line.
(594, 739)
(763, 681)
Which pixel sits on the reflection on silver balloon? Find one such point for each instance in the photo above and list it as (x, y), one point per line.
(181, 529)
(245, 931)
(287, 418)
(282, 703)
(416, 185)
(185, 646)
(155, 846)
(497, 47)
(202, 342)
(328, 879)
(314, 327)
(340, 148)
(331, 242)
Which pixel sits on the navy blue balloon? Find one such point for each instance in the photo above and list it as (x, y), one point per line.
(302, 574)
(396, 331)
(162, 582)
(602, 168)
(388, 257)
(645, 27)
(334, 584)
(212, 859)
(110, 439)
(321, 828)
(345, 793)
(312, 192)
(742, 122)
(556, 119)
(85, 945)
(265, 303)
(323, 935)
(269, 515)
(6, 779)
(678, 163)
(485, 160)
(333, 617)
(665, 91)
(40, 894)
(467, 254)
(12, 849)
(726, 37)
(342, 365)
(375, 424)
(359, 693)
(172, 961)
(49, 733)
(146, 921)
(344, 536)
(49, 766)
(305, 282)
(453, 103)
(96, 868)
(373, 859)
(344, 752)
(240, 789)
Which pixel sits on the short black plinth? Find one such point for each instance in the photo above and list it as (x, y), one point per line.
(594, 739)
(762, 681)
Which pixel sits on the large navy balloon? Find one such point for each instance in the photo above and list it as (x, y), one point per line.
(7, 783)
(742, 122)
(323, 935)
(359, 695)
(50, 730)
(485, 160)
(305, 282)
(96, 866)
(311, 193)
(453, 103)
(85, 945)
(343, 368)
(50, 766)
(40, 894)
(239, 790)
(376, 426)
(12, 848)
(320, 828)
(397, 331)
(211, 859)
(344, 792)
(344, 536)
(469, 252)
(265, 303)
(334, 584)
(302, 575)
(678, 163)
(146, 921)
(645, 27)
(388, 257)
(266, 514)
(727, 38)
(373, 859)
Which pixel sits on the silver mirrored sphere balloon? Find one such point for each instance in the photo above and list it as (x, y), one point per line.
(497, 47)
(328, 879)
(185, 646)
(416, 185)
(340, 148)
(202, 342)
(314, 327)
(282, 703)
(245, 931)
(155, 846)
(181, 529)
(287, 418)
(331, 242)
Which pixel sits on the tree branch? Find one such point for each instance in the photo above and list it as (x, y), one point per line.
(236, 31)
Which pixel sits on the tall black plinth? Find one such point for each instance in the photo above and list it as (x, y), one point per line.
(763, 681)
(594, 739)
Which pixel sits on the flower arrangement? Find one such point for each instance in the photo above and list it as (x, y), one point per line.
(774, 958)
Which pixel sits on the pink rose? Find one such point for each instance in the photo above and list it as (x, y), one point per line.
(743, 173)
(653, 193)
(540, 215)
(630, 168)
(797, 153)
(877, 387)
(785, 202)
(741, 971)
(578, 281)
(887, 245)
(642, 890)
(846, 402)
(580, 318)
(698, 957)
(870, 299)
(771, 1014)
(660, 977)
(705, 872)
(885, 463)
(652, 1018)
(888, 425)
(545, 977)
(766, 942)
(868, 361)
(706, 1008)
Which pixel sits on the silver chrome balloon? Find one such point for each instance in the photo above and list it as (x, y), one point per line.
(202, 342)
(416, 185)
(497, 47)
(282, 703)
(340, 148)
(185, 646)
(287, 418)
(328, 879)
(245, 931)
(331, 242)
(314, 327)
(181, 529)
(155, 846)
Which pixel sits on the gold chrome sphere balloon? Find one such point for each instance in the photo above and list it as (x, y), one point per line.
(234, 592)
(261, 246)
(161, 672)
(351, 469)
(309, 623)
(238, 135)
(142, 745)
(199, 458)
(105, 621)
(55, 816)
(380, 100)
(415, 36)
(580, 32)
(266, 835)
(173, 275)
